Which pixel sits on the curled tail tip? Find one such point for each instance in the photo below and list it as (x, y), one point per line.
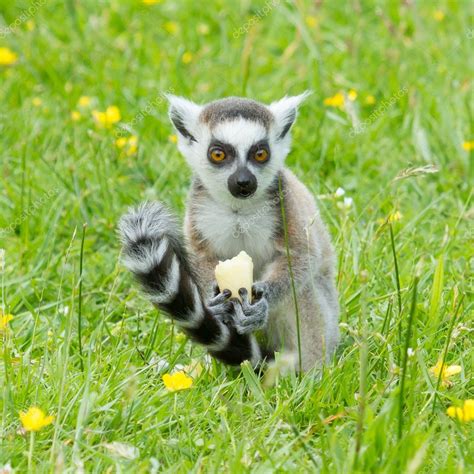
(149, 220)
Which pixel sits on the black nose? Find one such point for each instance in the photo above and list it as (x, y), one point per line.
(242, 183)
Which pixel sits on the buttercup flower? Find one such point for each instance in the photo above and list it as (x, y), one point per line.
(370, 100)
(151, 2)
(4, 320)
(446, 371)
(35, 419)
(464, 413)
(336, 100)
(37, 102)
(468, 146)
(187, 57)
(129, 145)
(108, 118)
(438, 15)
(7, 57)
(173, 138)
(75, 115)
(311, 21)
(84, 101)
(177, 381)
(352, 95)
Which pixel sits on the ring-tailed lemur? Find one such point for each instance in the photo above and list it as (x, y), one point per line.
(236, 148)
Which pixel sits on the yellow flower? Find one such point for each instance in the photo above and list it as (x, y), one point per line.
(7, 57)
(129, 145)
(370, 100)
(35, 419)
(84, 101)
(30, 25)
(151, 2)
(120, 142)
(352, 95)
(171, 27)
(173, 138)
(75, 115)
(391, 218)
(37, 102)
(177, 381)
(468, 146)
(4, 320)
(311, 21)
(108, 118)
(132, 145)
(446, 372)
(187, 57)
(438, 15)
(464, 413)
(336, 100)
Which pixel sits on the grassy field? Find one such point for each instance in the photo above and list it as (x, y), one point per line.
(389, 122)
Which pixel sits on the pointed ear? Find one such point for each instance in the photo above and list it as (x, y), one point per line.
(184, 115)
(284, 112)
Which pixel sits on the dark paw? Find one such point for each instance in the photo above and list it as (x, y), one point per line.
(250, 317)
(220, 306)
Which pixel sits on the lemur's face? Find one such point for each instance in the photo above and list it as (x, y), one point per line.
(235, 146)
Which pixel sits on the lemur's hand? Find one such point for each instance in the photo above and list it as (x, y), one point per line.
(220, 306)
(260, 289)
(249, 317)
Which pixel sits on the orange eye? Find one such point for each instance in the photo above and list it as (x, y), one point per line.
(261, 155)
(217, 155)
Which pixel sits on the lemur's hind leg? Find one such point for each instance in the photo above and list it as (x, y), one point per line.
(317, 322)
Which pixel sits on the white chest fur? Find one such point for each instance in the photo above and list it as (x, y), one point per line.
(228, 232)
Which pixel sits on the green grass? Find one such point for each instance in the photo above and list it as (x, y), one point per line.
(58, 174)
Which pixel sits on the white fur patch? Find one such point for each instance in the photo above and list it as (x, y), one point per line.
(150, 256)
(228, 232)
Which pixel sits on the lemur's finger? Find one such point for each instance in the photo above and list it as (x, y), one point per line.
(220, 298)
(258, 290)
(244, 294)
(215, 289)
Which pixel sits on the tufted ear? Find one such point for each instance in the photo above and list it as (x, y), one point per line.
(284, 111)
(184, 115)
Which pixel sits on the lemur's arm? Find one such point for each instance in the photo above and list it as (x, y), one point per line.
(154, 252)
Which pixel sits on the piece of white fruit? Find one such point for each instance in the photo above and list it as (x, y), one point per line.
(235, 273)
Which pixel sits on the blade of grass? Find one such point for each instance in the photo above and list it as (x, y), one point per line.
(399, 292)
(79, 309)
(405, 355)
(437, 288)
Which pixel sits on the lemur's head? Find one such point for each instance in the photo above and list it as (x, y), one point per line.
(235, 146)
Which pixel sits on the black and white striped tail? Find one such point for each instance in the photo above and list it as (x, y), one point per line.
(154, 252)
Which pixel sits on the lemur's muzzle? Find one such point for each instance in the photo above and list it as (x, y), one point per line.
(242, 183)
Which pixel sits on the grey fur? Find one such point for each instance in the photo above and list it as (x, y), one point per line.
(231, 108)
